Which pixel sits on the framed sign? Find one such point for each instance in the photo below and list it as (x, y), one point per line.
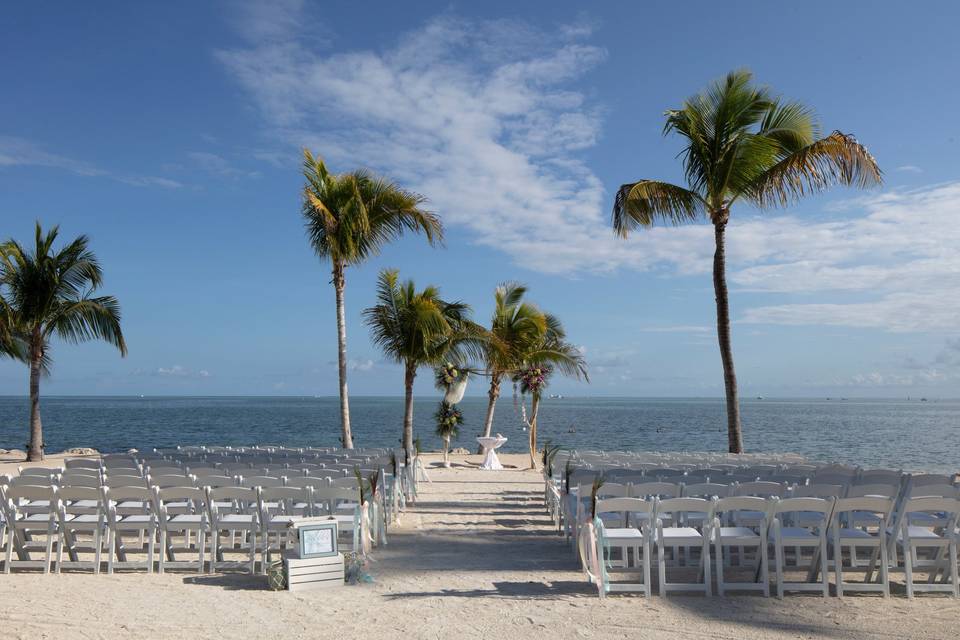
(318, 540)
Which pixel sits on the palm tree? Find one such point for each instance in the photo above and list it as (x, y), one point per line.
(349, 217)
(417, 328)
(741, 143)
(542, 358)
(515, 327)
(50, 295)
(12, 344)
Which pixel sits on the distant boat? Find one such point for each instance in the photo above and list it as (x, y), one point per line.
(556, 396)
(759, 397)
(923, 399)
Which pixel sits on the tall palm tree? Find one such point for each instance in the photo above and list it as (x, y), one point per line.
(415, 329)
(515, 327)
(547, 355)
(349, 217)
(741, 143)
(50, 295)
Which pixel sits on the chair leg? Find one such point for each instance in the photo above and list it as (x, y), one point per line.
(884, 568)
(908, 566)
(708, 582)
(953, 570)
(98, 548)
(838, 565)
(253, 552)
(150, 549)
(201, 544)
(824, 576)
(9, 556)
(662, 569)
(214, 547)
(50, 533)
(163, 550)
(110, 551)
(719, 551)
(778, 558)
(60, 541)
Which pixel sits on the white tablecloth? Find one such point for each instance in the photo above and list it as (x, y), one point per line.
(490, 446)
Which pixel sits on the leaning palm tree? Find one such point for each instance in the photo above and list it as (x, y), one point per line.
(514, 328)
(741, 143)
(415, 329)
(349, 217)
(536, 366)
(49, 294)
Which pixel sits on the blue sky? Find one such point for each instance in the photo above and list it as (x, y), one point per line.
(170, 133)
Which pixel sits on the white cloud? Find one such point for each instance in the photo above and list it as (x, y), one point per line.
(360, 365)
(216, 164)
(175, 371)
(898, 266)
(909, 168)
(20, 152)
(480, 116)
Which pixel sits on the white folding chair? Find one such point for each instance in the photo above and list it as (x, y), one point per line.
(846, 534)
(193, 519)
(233, 509)
(81, 510)
(24, 526)
(811, 535)
(130, 511)
(912, 540)
(634, 538)
(742, 538)
(675, 537)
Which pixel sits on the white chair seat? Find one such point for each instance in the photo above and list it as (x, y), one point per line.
(681, 535)
(86, 518)
(628, 533)
(236, 518)
(36, 517)
(134, 519)
(188, 519)
(131, 504)
(735, 534)
(920, 533)
(793, 535)
(85, 504)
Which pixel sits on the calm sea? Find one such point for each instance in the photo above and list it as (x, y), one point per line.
(904, 434)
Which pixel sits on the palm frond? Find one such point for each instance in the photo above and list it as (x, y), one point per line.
(647, 202)
(835, 159)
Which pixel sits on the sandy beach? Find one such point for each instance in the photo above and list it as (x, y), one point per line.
(474, 558)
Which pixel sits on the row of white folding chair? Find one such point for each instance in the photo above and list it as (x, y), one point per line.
(841, 513)
(170, 510)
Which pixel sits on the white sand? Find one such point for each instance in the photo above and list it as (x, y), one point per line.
(473, 559)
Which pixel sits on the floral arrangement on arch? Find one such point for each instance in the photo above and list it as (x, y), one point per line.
(449, 418)
(532, 379)
(448, 374)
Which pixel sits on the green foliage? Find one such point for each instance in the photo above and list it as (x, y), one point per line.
(448, 374)
(417, 445)
(48, 293)
(549, 455)
(448, 419)
(419, 328)
(350, 216)
(743, 142)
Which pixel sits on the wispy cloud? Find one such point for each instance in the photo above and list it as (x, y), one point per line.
(909, 168)
(480, 115)
(19, 152)
(175, 371)
(217, 165)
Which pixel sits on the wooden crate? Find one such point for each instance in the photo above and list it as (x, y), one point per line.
(312, 573)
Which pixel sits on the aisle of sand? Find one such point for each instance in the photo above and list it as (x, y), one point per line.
(474, 559)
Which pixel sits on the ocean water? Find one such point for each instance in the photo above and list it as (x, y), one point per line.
(907, 434)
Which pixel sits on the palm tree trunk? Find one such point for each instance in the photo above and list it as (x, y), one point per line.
(35, 449)
(492, 394)
(534, 410)
(409, 375)
(734, 434)
(338, 284)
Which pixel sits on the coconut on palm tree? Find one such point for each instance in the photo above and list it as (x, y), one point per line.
(349, 217)
(417, 328)
(536, 366)
(742, 143)
(514, 328)
(49, 295)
